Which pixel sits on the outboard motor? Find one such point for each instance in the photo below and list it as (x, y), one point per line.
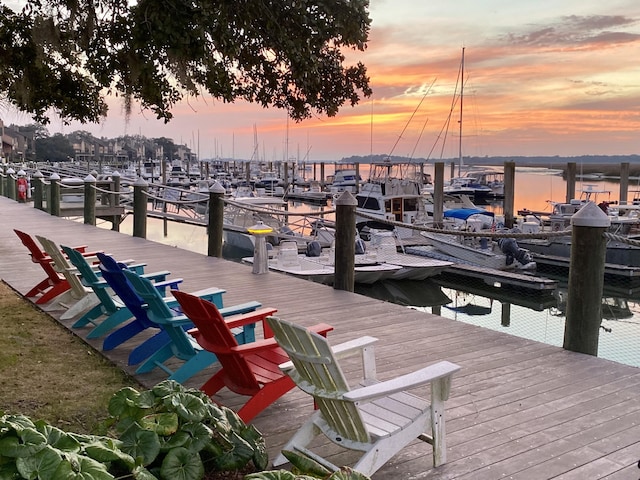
(510, 248)
(314, 249)
(360, 246)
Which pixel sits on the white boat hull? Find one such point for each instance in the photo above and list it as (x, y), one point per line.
(483, 257)
(319, 269)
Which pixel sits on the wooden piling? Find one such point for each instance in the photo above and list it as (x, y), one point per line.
(140, 208)
(438, 194)
(624, 182)
(10, 188)
(571, 181)
(586, 279)
(38, 190)
(90, 200)
(509, 192)
(215, 221)
(54, 195)
(345, 242)
(115, 222)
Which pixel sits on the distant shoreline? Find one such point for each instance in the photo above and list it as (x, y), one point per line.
(587, 164)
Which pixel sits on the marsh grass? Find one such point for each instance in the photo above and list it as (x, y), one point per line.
(48, 373)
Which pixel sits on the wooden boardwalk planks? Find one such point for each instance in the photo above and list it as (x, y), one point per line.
(518, 408)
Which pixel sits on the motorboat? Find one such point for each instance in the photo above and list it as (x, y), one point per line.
(269, 180)
(178, 176)
(625, 223)
(383, 247)
(321, 268)
(313, 194)
(392, 193)
(344, 179)
(457, 243)
(245, 209)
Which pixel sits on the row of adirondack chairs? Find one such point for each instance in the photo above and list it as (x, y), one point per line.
(117, 300)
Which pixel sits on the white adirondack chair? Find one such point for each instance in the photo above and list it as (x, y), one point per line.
(378, 418)
(78, 299)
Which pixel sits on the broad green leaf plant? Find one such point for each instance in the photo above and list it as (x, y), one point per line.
(166, 433)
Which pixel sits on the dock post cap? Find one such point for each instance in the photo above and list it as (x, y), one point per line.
(346, 199)
(54, 176)
(140, 182)
(590, 215)
(37, 174)
(116, 174)
(10, 171)
(89, 179)
(216, 188)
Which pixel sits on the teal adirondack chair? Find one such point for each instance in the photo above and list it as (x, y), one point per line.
(180, 344)
(377, 418)
(111, 307)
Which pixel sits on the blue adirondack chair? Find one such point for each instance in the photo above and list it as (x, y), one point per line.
(180, 344)
(110, 306)
(112, 273)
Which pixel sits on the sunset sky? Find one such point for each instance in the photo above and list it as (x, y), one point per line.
(541, 78)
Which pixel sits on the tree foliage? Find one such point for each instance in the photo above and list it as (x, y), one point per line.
(56, 148)
(66, 55)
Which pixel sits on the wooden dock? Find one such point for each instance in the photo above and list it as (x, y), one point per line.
(518, 409)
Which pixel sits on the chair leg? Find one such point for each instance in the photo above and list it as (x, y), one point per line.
(85, 303)
(149, 347)
(122, 335)
(39, 288)
(300, 439)
(111, 322)
(265, 397)
(90, 316)
(53, 292)
(214, 384)
(156, 360)
(201, 360)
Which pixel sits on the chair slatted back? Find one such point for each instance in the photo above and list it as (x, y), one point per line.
(112, 272)
(90, 278)
(214, 335)
(62, 265)
(318, 373)
(38, 256)
(161, 314)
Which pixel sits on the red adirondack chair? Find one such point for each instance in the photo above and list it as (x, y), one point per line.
(55, 283)
(251, 369)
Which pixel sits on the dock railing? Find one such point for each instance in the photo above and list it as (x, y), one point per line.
(106, 199)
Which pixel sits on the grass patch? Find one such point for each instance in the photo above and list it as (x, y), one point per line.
(48, 373)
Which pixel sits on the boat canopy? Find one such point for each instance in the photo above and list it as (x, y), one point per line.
(465, 213)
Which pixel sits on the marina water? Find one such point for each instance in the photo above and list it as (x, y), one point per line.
(538, 316)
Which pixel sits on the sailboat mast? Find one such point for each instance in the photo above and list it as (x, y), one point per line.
(460, 121)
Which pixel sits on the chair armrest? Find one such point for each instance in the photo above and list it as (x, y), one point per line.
(239, 308)
(343, 350)
(179, 320)
(404, 382)
(252, 317)
(346, 349)
(211, 294)
(158, 276)
(269, 343)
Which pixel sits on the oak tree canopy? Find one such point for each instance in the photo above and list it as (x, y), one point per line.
(66, 56)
